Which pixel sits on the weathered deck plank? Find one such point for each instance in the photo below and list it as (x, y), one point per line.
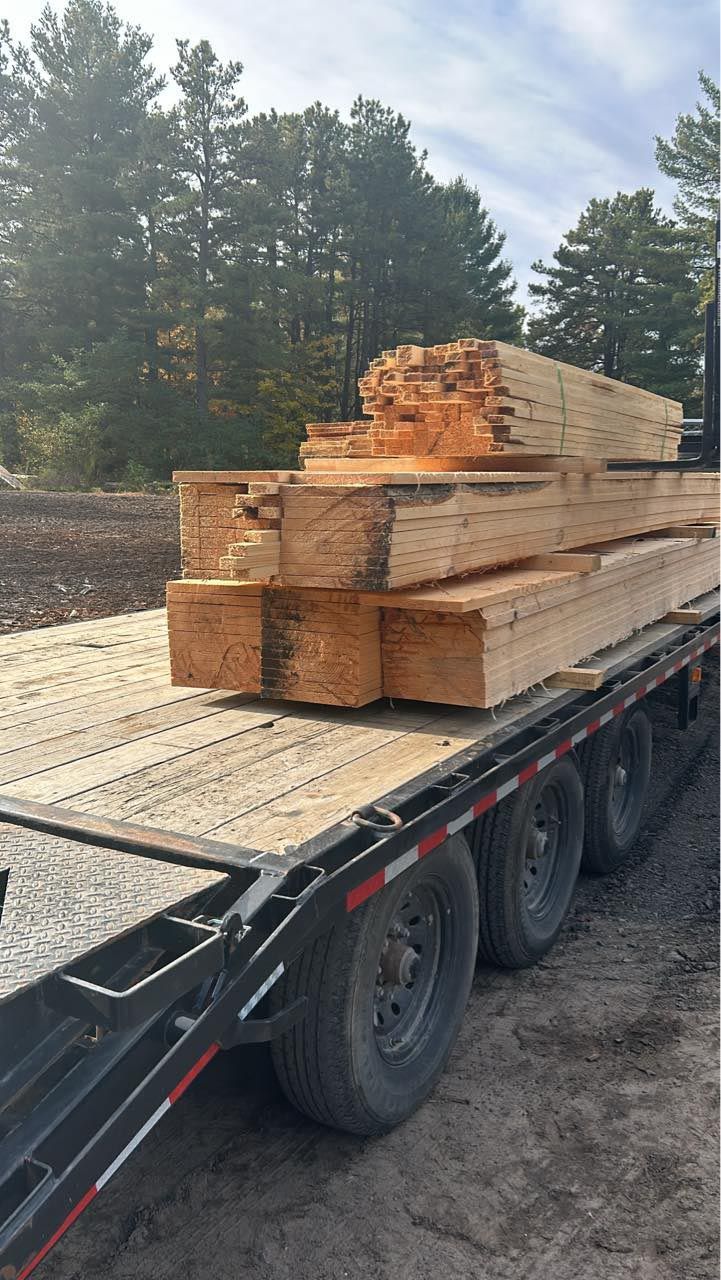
(119, 741)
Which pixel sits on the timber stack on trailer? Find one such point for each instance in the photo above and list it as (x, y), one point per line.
(460, 544)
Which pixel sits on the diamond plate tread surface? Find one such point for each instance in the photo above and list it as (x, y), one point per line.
(66, 899)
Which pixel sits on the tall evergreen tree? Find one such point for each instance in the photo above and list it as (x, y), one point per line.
(15, 332)
(297, 164)
(70, 195)
(691, 158)
(208, 113)
(619, 298)
(474, 294)
(76, 236)
(388, 207)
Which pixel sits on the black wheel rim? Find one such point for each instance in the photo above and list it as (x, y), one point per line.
(624, 788)
(412, 968)
(544, 852)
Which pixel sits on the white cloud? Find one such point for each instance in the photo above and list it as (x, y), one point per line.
(639, 42)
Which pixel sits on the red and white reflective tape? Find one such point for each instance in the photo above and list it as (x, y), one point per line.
(374, 883)
(120, 1159)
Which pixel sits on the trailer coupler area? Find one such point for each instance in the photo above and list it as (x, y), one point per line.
(96, 1046)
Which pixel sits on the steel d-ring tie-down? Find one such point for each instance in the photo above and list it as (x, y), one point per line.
(361, 818)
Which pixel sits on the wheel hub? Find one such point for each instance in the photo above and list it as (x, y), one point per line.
(541, 852)
(537, 844)
(624, 791)
(399, 963)
(407, 973)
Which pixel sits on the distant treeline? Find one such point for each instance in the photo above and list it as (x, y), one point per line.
(189, 286)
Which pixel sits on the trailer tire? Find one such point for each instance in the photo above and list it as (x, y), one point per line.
(523, 899)
(614, 805)
(380, 1023)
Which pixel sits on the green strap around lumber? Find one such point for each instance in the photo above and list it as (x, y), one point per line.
(559, 375)
(665, 429)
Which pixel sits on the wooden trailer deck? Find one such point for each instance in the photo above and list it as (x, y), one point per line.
(89, 720)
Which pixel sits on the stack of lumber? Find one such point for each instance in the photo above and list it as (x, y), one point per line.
(490, 639)
(351, 532)
(462, 543)
(471, 399)
(471, 642)
(336, 440)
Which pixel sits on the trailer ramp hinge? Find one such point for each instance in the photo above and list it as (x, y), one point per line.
(368, 814)
(234, 923)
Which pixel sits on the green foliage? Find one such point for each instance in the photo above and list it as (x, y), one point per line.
(63, 450)
(479, 285)
(74, 239)
(304, 390)
(136, 476)
(691, 157)
(620, 299)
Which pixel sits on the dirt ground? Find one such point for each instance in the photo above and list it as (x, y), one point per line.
(66, 556)
(574, 1134)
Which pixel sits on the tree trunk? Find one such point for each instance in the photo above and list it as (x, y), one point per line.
(361, 358)
(330, 288)
(201, 346)
(151, 330)
(347, 396)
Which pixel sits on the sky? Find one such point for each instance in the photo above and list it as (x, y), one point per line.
(541, 104)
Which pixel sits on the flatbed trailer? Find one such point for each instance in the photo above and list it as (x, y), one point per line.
(132, 952)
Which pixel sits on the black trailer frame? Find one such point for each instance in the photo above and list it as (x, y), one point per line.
(141, 1021)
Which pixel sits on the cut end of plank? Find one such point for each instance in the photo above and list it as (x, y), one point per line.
(686, 531)
(576, 678)
(692, 616)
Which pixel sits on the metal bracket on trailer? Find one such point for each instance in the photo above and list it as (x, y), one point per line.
(260, 1030)
(199, 952)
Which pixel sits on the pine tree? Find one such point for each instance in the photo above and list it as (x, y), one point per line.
(15, 334)
(619, 298)
(76, 236)
(208, 114)
(72, 247)
(188, 287)
(387, 207)
(473, 294)
(296, 164)
(691, 157)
